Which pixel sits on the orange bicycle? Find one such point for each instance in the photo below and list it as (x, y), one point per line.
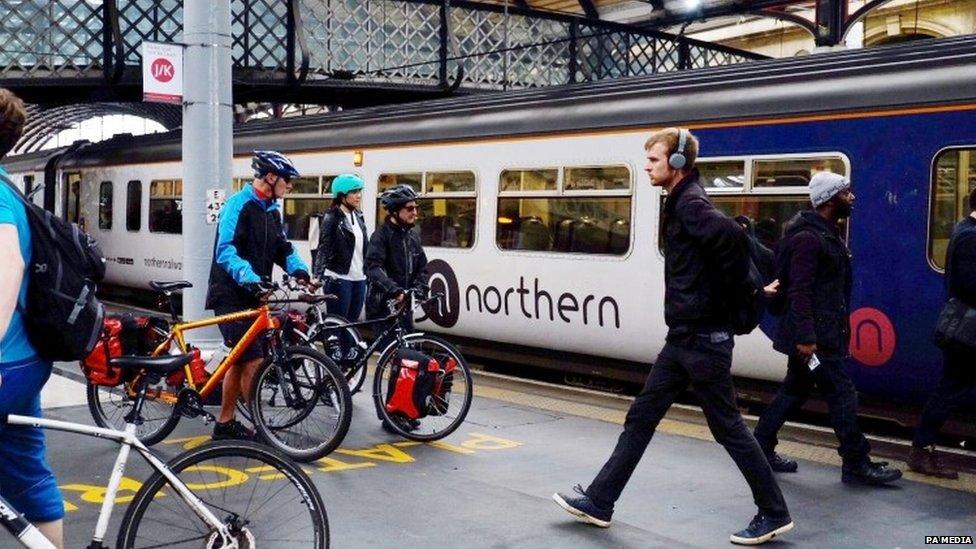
(299, 399)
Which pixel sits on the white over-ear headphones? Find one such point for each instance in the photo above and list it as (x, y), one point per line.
(677, 159)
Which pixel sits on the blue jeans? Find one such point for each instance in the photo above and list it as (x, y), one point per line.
(836, 386)
(26, 479)
(351, 294)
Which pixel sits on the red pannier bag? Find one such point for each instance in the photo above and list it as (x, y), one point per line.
(411, 386)
(124, 334)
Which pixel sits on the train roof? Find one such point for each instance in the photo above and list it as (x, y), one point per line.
(925, 73)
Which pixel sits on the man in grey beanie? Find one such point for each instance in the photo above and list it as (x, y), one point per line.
(814, 270)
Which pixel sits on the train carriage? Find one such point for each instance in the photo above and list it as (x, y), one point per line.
(542, 225)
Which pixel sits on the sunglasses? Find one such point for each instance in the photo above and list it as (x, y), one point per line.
(410, 208)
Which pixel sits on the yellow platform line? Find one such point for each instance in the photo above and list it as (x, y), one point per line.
(798, 450)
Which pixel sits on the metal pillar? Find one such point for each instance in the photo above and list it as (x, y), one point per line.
(830, 16)
(207, 140)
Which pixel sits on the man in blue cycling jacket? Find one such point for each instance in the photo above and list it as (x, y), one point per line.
(250, 242)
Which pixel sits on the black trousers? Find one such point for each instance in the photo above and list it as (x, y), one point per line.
(835, 384)
(958, 379)
(695, 360)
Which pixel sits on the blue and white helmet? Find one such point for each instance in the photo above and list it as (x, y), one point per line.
(265, 162)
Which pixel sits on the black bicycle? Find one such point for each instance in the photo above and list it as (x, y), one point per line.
(342, 341)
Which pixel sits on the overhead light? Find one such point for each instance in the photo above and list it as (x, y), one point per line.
(692, 5)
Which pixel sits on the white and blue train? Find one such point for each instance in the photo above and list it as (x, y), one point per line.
(543, 227)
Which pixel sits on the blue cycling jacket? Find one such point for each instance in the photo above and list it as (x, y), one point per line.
(250, 241)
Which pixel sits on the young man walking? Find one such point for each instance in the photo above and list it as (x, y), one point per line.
(959, 365)
(815, 331)
(699, 242)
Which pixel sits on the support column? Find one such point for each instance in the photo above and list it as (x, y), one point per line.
(207, 141)
(830, 16)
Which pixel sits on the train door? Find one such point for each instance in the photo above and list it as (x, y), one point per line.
(72, 197)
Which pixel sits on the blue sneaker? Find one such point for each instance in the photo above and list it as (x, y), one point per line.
(583, 507)
(761, 530)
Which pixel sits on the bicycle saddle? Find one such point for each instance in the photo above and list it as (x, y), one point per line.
(162, 365)
(161, 286)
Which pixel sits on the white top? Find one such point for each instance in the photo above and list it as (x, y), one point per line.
(357, 265)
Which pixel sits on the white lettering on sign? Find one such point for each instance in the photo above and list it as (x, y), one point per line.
(162, 72)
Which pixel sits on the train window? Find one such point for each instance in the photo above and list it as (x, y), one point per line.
(953, 178)
(73, 198)
(133, 206)
(447, 204)
(28, 184)
(305, 200)
(529, 180)
(166, 206)
(793, 172)
(608, 178)
(105, 206)
(539, 212)
(722, 174)
(450, 182)
(389, 180)
(239, 183)
(768, 212)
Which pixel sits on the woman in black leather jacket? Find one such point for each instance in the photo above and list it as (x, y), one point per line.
(340, 259)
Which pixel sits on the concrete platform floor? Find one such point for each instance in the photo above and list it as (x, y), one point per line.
(490, 484)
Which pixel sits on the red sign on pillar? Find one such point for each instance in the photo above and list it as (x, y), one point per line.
(162, 72)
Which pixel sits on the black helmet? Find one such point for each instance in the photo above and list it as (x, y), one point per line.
(396, 197)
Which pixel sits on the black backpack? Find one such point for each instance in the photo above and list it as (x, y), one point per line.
(748, 301)
(63, 317)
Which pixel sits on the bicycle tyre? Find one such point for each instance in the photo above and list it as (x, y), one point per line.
(151, 492)
(282, 435)
(156, 431)
(462, 367)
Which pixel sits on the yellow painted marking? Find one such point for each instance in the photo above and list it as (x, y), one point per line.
(233, 477)
(96, 494)
(406, 444)
(481, 441)
(189, 443)
(380, 452)
(331, 465)
(265, 469)
(69, 507)
(440, 444)
(818, 454)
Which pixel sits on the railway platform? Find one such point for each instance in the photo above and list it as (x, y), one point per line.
(490, 483)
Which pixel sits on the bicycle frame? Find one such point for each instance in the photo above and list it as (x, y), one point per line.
(263, 321)
(31, 538)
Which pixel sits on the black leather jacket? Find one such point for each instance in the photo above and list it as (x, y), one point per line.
(395, 260)
(704, 253)
(337, 242)
(818, 288)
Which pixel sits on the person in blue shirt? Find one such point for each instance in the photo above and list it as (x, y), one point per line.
(26, 480)
(250, 242)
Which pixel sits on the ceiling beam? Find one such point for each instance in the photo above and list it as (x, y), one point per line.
(669, 19)
(589, 9)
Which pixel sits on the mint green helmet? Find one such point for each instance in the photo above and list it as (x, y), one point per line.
(346, 183)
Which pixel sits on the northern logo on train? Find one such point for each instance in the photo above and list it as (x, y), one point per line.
(443, 312)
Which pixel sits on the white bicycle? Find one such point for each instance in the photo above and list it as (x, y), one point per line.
(223, 495)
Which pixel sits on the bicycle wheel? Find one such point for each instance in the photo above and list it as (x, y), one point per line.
(454, 405)
(264, 499)
(348, 353)
(301, 404)
(110, 405)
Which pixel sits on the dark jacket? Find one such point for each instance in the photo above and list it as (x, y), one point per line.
(249, 242)
(395, 261)
(818, 288)
(961, 273)
(337, 240)
(704, 254)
